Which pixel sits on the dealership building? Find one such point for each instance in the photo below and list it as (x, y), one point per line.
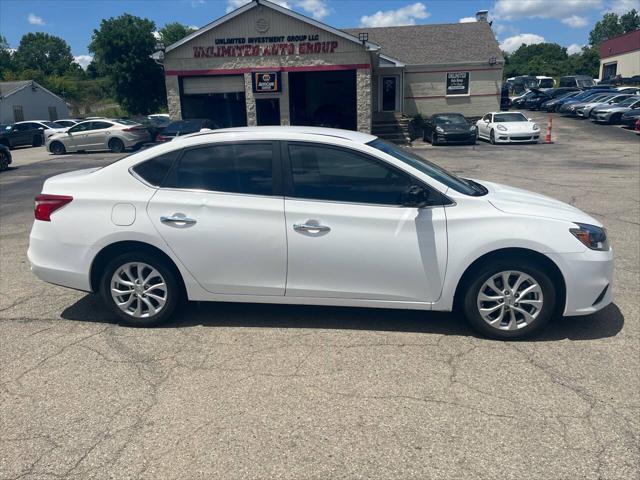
(264, 64)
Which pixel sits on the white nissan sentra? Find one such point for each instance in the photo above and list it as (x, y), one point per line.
(304, 215)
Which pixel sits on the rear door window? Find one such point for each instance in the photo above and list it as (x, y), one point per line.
(155, 170)
(234, 168)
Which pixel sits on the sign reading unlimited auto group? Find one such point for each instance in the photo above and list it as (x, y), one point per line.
(457, 83)
(266, 46)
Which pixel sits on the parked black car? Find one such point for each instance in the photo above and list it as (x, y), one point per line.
(5, 157)
(629, 118)
(21, 134)
(184, 127)
(518, 102)
(542, 96)
(442, 128)
(155, 125)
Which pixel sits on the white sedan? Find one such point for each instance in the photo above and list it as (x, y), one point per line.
(305, 215)
(507, 127)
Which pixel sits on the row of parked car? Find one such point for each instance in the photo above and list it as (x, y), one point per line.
(602, 103)
(95, 133)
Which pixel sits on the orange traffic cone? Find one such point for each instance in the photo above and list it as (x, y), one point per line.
(548, 137)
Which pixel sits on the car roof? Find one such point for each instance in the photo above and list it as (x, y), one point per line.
(357, 137)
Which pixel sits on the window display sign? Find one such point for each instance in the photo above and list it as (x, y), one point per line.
(266, 82)
(457, 83)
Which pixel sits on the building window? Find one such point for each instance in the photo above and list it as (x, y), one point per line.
(18, 115)
(457, 83)
(53, 114)
(609, 70)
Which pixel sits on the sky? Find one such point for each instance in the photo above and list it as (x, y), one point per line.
(566, 22)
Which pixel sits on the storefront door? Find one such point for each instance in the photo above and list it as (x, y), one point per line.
(268, 111)
(389, 93)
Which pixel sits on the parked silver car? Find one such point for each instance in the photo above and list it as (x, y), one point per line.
(613, 113)
(104, 134)
(588, 108)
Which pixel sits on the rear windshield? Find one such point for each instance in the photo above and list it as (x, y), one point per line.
(509, 117)
(184, 126)
(125, 121)
(436, 172)
(52, 125)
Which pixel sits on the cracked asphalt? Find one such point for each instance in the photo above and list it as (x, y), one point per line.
(241, 391)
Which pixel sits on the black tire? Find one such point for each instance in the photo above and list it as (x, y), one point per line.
(37, 141)
(57, 148)
(484, 273)
(492, 137)
(434, 140)
(173, 290)
(116, 145)
(615, 118)
(477, 134)
(4, 161)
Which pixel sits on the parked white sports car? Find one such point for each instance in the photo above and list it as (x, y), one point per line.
(507, 127)
(315, 216)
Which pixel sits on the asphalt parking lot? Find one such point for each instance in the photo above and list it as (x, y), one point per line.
(259, 391)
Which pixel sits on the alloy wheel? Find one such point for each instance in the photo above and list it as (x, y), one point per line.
(510, 300)
(138, 289)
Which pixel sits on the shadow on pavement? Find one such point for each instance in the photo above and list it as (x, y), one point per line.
(606, 323)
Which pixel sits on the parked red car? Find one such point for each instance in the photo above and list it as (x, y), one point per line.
(637, 129)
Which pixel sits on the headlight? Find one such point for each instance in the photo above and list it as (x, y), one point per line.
(502, 128)
(536, 127)
(591, 236)
(472, 129)
(439, 130)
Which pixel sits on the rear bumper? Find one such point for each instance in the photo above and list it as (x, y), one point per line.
(55, 262)
(588, 280)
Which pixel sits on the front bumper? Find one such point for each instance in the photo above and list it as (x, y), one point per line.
(601, 117)
(588, 279)
(456, 137)
(520, 137)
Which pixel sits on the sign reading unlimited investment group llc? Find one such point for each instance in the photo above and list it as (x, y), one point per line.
(266, 82)
(457, 83)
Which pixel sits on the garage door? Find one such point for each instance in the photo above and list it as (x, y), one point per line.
(217, 84)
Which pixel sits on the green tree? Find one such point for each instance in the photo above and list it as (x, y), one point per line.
(46, 53)
(539, 59)
(172, 32)
(630, 21)
(586, 62)
(5, 57)
(122, 47)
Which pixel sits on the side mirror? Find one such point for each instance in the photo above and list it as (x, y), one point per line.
(41, 129)
(415, 197)
(486, 120)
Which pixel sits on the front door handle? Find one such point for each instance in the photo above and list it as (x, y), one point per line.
(178, 219)
(305, 227)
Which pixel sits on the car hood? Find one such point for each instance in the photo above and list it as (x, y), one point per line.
(455, 128)
(523, 202)
(608, 109)
(516, 126)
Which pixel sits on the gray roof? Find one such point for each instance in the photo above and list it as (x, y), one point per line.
(6, 88)
(435, 44)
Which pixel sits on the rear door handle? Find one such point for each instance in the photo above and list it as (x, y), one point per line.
(178, 219)
(305, 227)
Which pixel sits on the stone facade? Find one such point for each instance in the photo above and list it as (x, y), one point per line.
(252, 117)
(173, 97)
(363, 96)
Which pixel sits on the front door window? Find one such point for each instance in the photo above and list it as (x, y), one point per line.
(389, 88)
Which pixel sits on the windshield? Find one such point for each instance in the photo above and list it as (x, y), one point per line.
(52, 125)
(125, 121)
(627, 102)
(436, 172)
(184, 126)
(452, 119)
(546, 83)
(619, 99)
(509, 117)
(585, 82)
(601, 98)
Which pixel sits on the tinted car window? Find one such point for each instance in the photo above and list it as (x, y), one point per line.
(184, 126)
(235, 168)
(334, 174)
(100, 125)
(22, 127)
(80, 127)
(155, 170)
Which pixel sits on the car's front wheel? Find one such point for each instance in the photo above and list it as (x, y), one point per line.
(4, 160)
(492, 137)
(509, 299)
(57, 148)
(140, 289)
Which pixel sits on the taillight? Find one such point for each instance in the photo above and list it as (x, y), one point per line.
(133, 129)
(47, 204)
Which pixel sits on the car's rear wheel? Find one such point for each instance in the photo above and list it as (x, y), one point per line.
(116, 145)
(36, 141)
(509, 299)
(4, 161)
(140, 289)
(57, 148)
